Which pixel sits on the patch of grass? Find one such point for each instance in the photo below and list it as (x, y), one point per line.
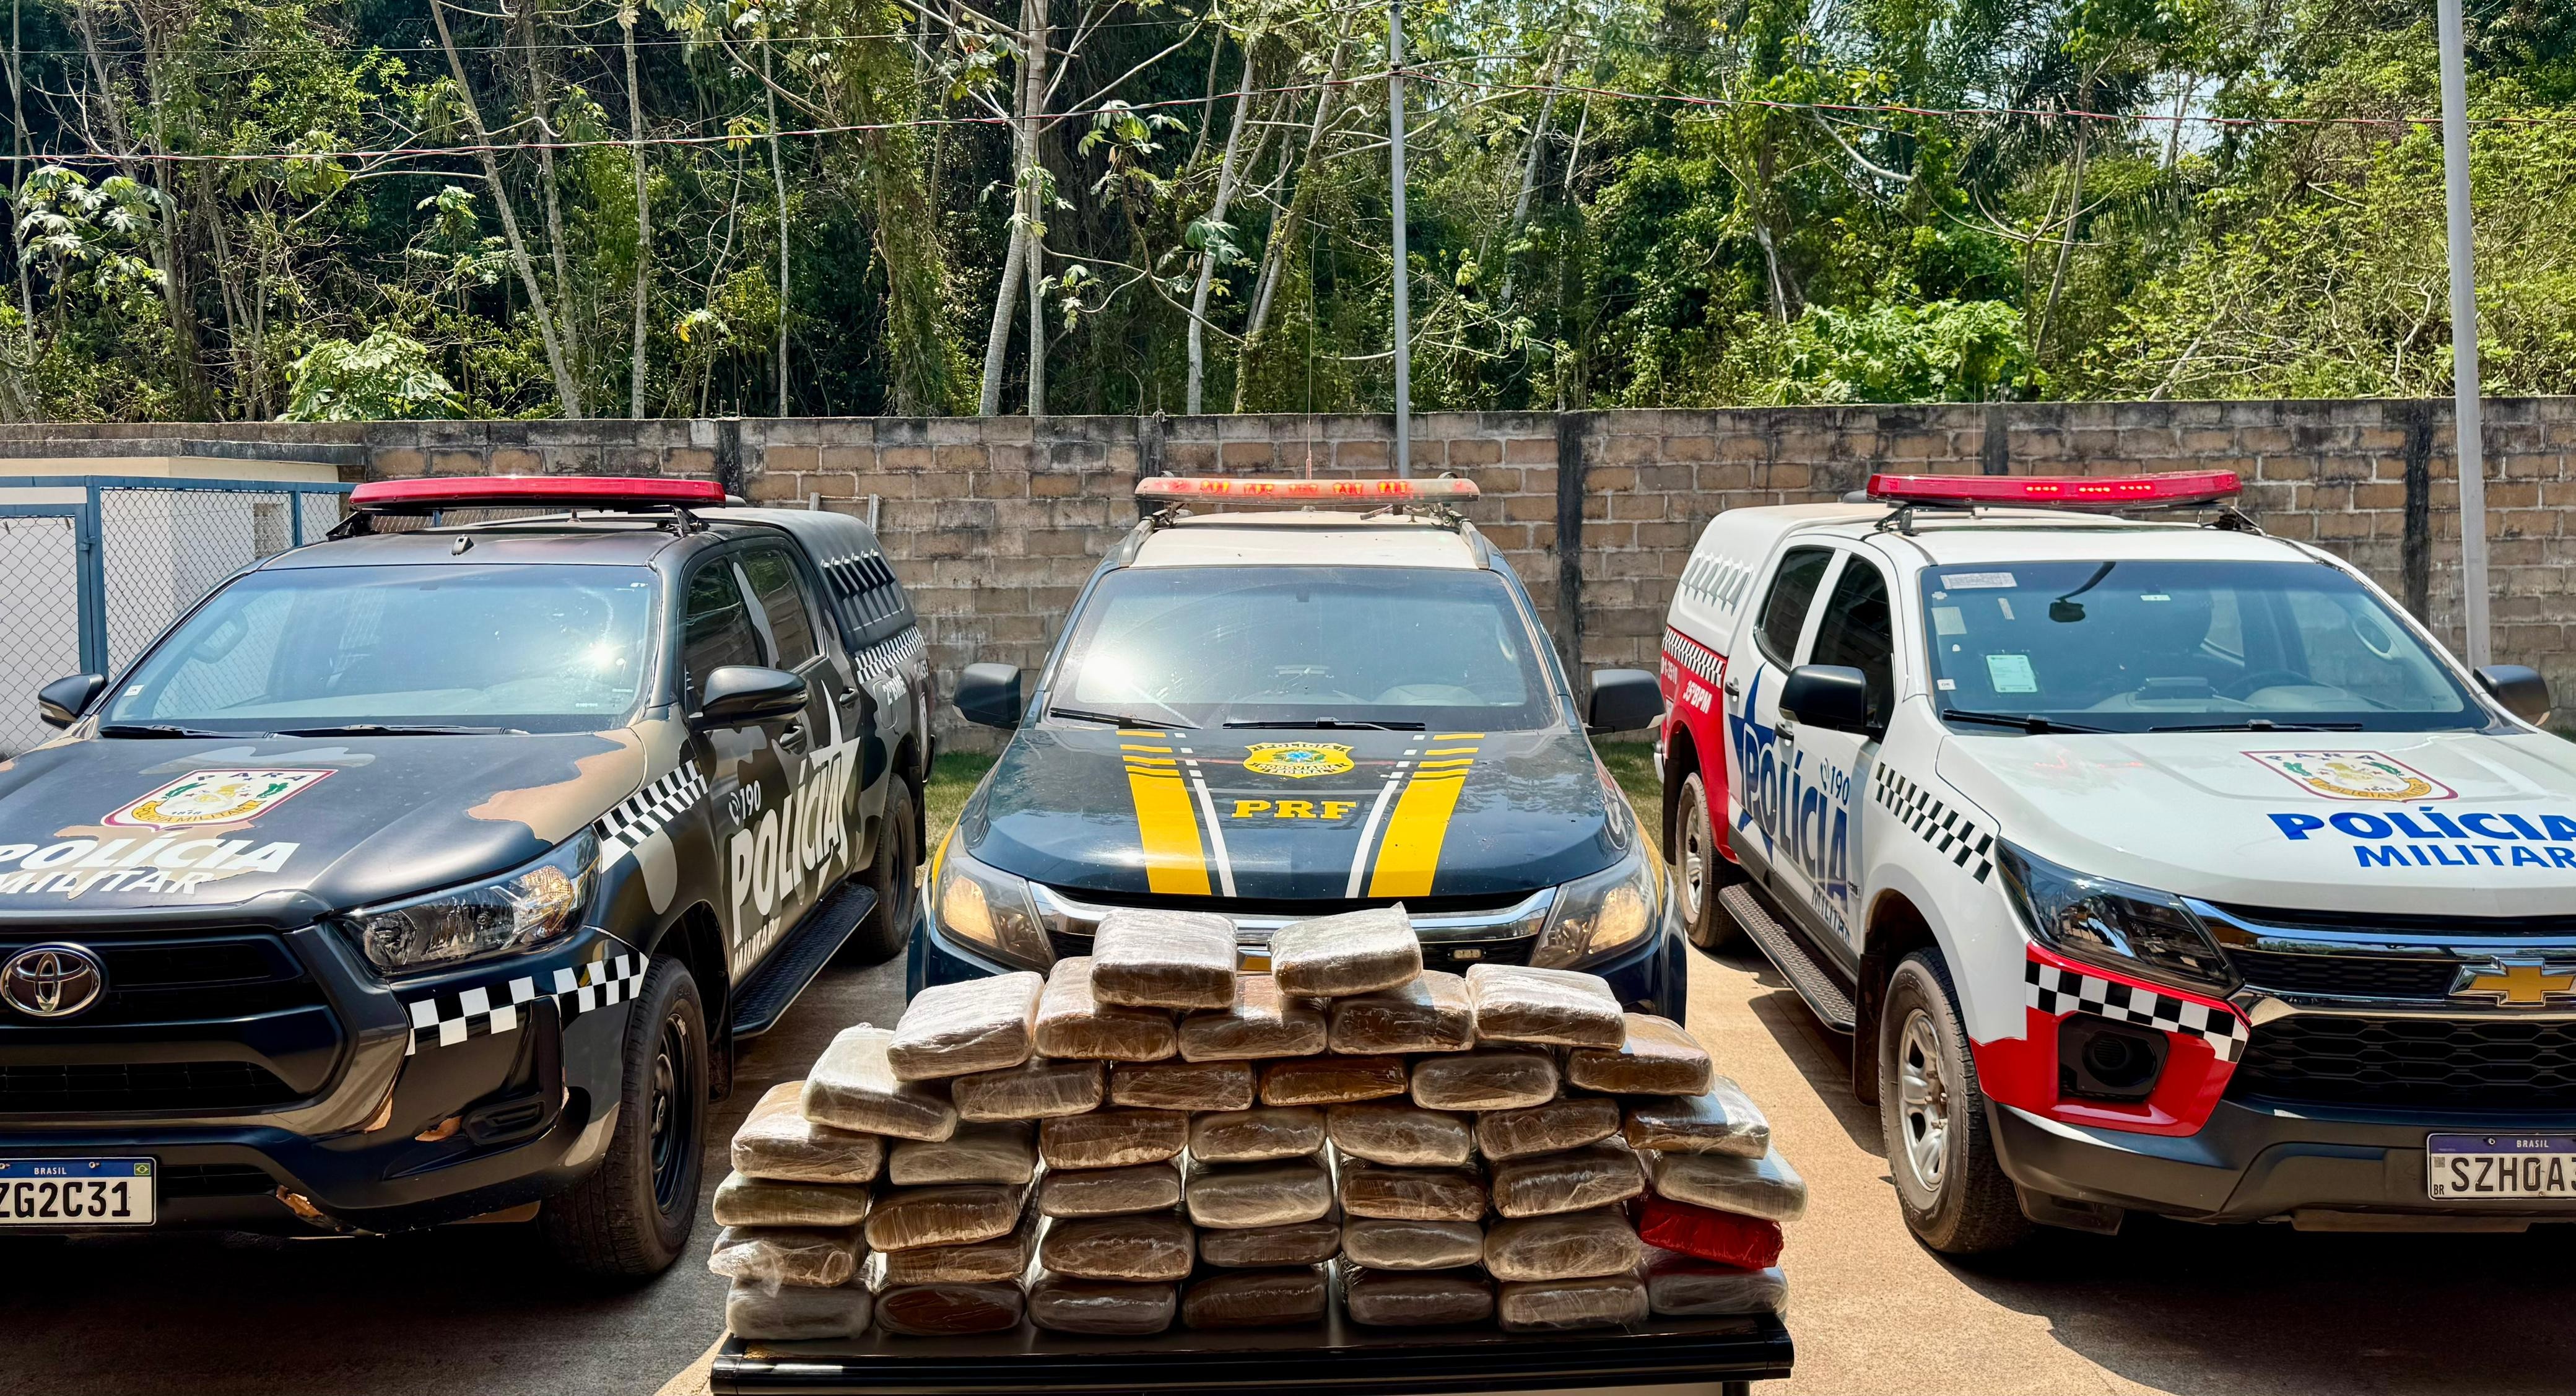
(952, 779)
(1632, 764)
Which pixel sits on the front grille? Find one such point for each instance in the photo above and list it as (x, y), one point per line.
(180, 980)
(215, 1180)
(2359, 976)
(192, 1086)
(2407, 924)
(2412, 1063)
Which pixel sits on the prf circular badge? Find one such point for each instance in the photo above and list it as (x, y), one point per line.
(1297, 759)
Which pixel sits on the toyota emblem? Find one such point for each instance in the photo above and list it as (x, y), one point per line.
(52, 981)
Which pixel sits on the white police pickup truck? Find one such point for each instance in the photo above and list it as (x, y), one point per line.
(2154, 864)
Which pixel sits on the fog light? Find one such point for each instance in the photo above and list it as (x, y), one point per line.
(2101, 1060)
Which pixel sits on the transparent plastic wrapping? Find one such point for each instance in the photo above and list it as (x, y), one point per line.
(815, 1257)
(1163, 959)
(1546, 1007)
(1075, 1025)
(1429, 1014)
(977, 1153)
(948, 1216)
(1298, 1243)
(1331, 1080)
(778, 1144)
(1765, 1187)
(972, 1262)
(1558, 1125)
(1724, 1120)
(1037, 1089)
(1721, 1238)
(1233, 1197)
(1678, 1286)
(1356, 952)
(1657, 1058)
(742, 1201)
(1256, 1135)
(1406, 1136)
(1066, 1304)
(1417, 1298)
(1485, 1080)
(948, 1310)
(796, 1313)
(1136, 1250)
(1382, 1243)
(1257, 1299)
(1570, 1246)
(1262, 1022)
(1110, 1192)
(1557, 1306)
(1411, 1194)
(1113, 1138)
(1543, 1185)
(971, 1025)
(1182, 1085)
(853, 1087)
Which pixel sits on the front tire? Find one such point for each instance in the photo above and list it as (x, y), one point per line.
(1932, 1113)
(631, 1217)
(894, 873)
(1699, 869)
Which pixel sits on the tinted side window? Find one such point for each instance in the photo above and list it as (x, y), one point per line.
(1793, 592)
(715, 630)
(1858, 631)
(782, 598)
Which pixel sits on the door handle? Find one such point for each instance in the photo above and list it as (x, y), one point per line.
(793, 737)
(1734, 688)
(847, 695)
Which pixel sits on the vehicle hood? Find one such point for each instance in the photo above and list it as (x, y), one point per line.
(2464, 823)
(282, 829)
(1297, 815)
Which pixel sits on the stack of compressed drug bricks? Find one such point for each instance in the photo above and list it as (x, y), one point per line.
(1147, 1136)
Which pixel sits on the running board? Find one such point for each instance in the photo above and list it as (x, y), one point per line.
(1813, 981)
(765, 997)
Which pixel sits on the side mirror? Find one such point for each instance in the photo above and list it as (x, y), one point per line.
(2519, 687)
(989, 695)
(1832, 696)
(740, 693)
(1623, 700)
(59, 703)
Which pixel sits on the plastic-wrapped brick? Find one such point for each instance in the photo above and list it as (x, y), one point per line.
(796, 1313)
(742, 1201)
(1385, 1243)
(1485, 1080)
(1569, 1246)
(1142, 1249)
(1259, 1247)
(1256, 1135)
(770, 1256)
(1430, 1014)
(1678, 1286)
(1543, 1185)
(1256, 1299)
(1074, 1024)
(1412, 1194)
(1557, 1306)
(1332, 1080)
(989, 1261)
(1417, 1298)
(1113, 1138)
(1236, 1196)
(1109, 1192)
(1261, 1022)
(1558, 1125)
(977, 1153)
(1406, 1136)
(1722, 1238)
(972, 1025)
(1148, 958)
(1105, 1308)
(949, 1310)
(1037, 1089)
(1182, 1085)
(1723, 1120)
(949, 1216)
(1656, 1058)
(1356, 952)
(853, 1087)
(1765, 1187)
(777, 1143)
(1545, 1007)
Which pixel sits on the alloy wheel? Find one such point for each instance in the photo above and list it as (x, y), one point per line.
(1922, 1101)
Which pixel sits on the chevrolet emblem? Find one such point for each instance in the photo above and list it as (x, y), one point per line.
(2513, 984)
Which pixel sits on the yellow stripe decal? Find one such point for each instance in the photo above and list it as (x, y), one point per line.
(1151, 762)
(1456, 736)
(1411, 852)
(1130, 746)
(1167, 831)
(1451, 751)
(1455, 763)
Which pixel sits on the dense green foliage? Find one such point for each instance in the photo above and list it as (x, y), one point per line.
(336, 209)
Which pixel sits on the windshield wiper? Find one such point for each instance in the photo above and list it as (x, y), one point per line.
(1114, 719)
(2032, 723)
(2264, 724)
(1329, 724)
(165, 729)
(397, 729)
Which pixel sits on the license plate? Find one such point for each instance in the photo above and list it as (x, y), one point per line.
(2474, 1167)
(76, 1191)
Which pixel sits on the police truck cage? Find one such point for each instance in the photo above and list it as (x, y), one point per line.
(2092, 494)
(595, 493)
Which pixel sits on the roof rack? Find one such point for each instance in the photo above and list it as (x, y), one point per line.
(2091, 494)
(1435, 497)
(625, 494)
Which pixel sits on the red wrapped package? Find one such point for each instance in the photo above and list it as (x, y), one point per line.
(1748, 1243)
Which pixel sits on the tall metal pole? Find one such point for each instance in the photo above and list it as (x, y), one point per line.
(2464, 337)
(1403, 311)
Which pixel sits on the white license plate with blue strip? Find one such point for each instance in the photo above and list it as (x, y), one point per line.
(2500, 1167)
(57, 1192)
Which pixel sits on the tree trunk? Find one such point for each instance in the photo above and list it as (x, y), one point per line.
(1282, 241)
(1033, 262)
(18, 162)
(778, 182)
(1216, 215)
(1529, 172)
(997, 341)
(2065, 247)
(643, 214)
(540, 106)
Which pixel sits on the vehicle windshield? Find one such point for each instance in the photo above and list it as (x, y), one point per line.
(1402, 646)
(539, 648)
(2146, 646)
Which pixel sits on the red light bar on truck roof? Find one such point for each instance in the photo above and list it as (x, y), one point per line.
(2059, 491)
(574, 491)
(1372, 491)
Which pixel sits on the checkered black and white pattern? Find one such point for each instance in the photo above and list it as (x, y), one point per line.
(890, 659)
(444, 1020)
(1952, 835)
(2053, 991)
(1694, 656)
(643, 814)
(601, 983)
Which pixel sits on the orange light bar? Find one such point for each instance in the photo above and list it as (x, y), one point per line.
(578, 491)
(2060, 491)
(1371, 491)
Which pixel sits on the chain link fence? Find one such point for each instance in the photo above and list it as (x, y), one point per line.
(40, 574)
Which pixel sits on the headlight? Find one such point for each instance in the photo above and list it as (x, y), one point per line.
(508, 915)
(2112, 924)
(1600, 915)
(988, 908)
